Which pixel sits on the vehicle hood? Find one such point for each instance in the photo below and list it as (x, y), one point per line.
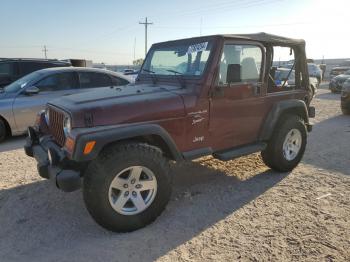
(119, 105)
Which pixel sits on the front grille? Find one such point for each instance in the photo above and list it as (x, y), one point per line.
(56, 125)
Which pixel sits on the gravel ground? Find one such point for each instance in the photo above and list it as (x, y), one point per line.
(225, 211)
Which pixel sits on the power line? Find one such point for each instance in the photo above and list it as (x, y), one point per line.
(146, 23)
(226, 6)
(240, 26)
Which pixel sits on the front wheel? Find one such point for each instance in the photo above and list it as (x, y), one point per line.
(3, 132)
(287, 144)
(127, 187)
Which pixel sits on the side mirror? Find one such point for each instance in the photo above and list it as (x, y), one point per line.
(32, 90)
(233, 73)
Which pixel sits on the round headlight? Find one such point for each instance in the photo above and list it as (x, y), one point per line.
(67, 125)
(47, 115)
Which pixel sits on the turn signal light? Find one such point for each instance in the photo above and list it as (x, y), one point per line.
(89, 146)
(70, 144)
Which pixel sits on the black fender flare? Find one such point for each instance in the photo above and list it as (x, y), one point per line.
(292, 106)
(111, 134)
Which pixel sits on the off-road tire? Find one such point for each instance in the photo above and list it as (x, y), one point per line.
(101, 172)
(273, 155)
(3, 130)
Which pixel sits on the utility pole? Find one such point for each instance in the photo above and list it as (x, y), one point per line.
(45, 51)
(146, 23)
(134, 48)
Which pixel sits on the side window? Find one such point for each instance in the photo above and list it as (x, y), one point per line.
(7, 69)
(91, 80)
(57, 82)
(283, 74)
(116, 81)
(28, 67)
(240, 63)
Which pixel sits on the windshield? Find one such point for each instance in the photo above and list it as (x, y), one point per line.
(20, 83)
(185, 59)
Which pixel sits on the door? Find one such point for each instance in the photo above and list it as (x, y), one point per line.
(237, 106)
(26, 107)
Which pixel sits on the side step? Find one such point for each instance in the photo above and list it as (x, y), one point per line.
(235, 152)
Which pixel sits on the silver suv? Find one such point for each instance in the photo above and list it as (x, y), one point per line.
(23, 99)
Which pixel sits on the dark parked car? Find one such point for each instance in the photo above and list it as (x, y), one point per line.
(339, 70)
(12, 69)
(23, 99)
(336, 83)
(345, 98)
(193, 97)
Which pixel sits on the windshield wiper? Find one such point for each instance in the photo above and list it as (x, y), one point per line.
(152, 74)
(179, 77)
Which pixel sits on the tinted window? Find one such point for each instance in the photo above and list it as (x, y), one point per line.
(63, 81)
(28, 67)
(116, 81)
(91, 80)
(246, 59)
(6, 68)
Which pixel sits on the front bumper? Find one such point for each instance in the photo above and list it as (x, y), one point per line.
(54, 165)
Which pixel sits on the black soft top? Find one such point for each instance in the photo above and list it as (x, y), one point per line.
(268, 39)
(259, 37)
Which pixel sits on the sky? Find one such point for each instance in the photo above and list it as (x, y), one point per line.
(108, 31)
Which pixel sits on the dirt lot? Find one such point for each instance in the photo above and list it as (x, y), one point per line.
(238, 210)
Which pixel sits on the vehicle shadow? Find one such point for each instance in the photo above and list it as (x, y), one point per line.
(12, 143)
(44, 224)
(330, 138)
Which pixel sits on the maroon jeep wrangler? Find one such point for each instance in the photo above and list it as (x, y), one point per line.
(212, 95)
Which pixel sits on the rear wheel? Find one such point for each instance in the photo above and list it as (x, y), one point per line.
(3, 130)
(127, 187)
(287, 145)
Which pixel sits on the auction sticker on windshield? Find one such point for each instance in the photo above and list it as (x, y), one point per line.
(197, 47)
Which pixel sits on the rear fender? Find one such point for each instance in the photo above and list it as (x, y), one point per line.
(278, 111)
